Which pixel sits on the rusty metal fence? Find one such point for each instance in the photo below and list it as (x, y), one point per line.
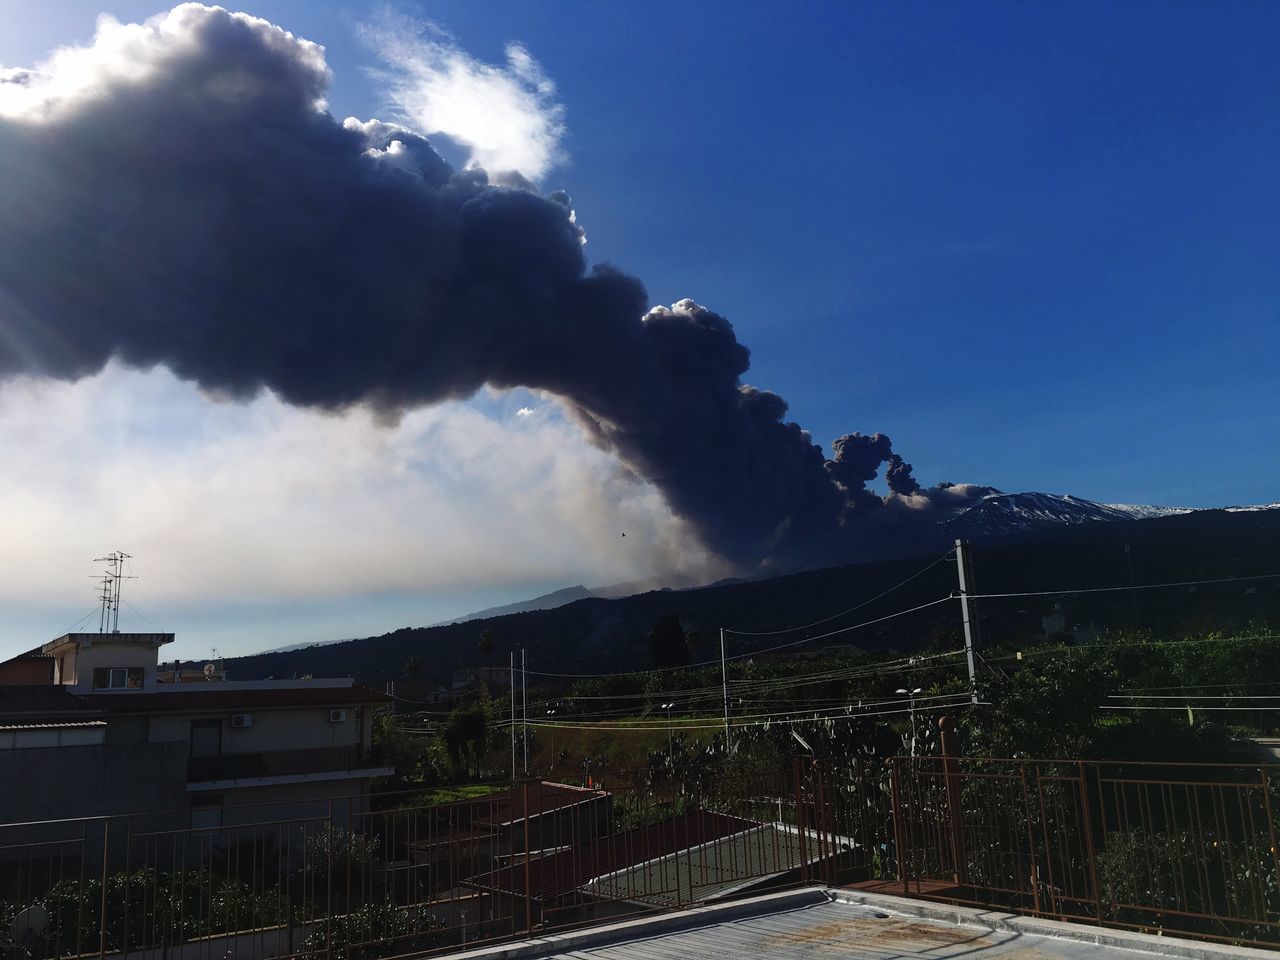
(362, 877)
(1182, 849)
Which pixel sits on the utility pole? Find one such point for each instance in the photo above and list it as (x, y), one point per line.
(968, 611)
(513, 716)
(524, 696)
(724, 684)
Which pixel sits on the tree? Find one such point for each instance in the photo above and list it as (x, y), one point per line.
(485, 642)
(668, 645)
(413, 666)
(466, 732)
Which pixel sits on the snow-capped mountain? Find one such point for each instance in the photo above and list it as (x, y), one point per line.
(1000, 513)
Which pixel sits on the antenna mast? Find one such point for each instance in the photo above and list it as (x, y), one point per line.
(109, 617)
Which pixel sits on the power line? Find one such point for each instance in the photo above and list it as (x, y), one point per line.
(896, 666)
(685, 723)
(856, 626)
(958, 700)
(1106, 646)
(744, 656)
(1193, 706)
(837, 616)
(1193, 696)
(1141, 586)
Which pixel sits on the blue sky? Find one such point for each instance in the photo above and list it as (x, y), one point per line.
(1035, 244)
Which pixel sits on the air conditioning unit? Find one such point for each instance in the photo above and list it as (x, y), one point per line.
(337, 716)
(239, 721)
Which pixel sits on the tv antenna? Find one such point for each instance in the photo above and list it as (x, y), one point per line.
(109, 590)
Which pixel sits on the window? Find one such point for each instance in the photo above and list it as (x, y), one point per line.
(117, 678)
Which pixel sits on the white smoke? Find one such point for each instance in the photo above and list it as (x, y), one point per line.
(507, 116)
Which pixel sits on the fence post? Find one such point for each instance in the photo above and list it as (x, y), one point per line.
(102, 905)
(955, 812)
(346, 903)
(675, 844)
(328, 882)
(528, 891)
(899, 833)
(1271, 824)
(1088, 838)
(1034, 872)
(800, 829)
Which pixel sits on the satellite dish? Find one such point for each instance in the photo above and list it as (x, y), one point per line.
(29, 923)
(209, 671)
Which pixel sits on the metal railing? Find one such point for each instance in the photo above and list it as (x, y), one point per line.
(1184, 849)
(1180, 849)
(359, 876)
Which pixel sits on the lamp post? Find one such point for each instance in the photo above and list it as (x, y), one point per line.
(671, 753)
(911, 696)
(552, 713)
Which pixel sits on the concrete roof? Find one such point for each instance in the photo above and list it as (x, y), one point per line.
(90, 639)
(12, 727)
(822, 925)
(50, 701)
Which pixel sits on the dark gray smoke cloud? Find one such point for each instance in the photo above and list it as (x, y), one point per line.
(192, 204)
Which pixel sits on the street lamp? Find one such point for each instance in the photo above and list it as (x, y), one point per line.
(552, 713)
(671, 752)
(911, 695)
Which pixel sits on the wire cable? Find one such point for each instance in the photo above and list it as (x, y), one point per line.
(1140, 586)
(832, 633)
(742, 656)
(962, 701)
(836, 616)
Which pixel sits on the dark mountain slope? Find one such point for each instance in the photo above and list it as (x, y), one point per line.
(596, 634)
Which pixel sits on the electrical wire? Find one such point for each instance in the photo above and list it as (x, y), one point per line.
(1103, 647)
(896, 666)
(1193, 706)
(856, 626)
(743, 656)
(963, 701)
(1140, 586)
(683, 723)
(836, 616)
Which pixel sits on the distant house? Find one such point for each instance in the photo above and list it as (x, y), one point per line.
(127, 739)
(41, 716)
(32, 667)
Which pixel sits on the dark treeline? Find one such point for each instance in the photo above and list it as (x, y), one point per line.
(599, 635)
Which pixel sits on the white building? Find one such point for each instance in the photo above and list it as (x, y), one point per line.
(114, 738)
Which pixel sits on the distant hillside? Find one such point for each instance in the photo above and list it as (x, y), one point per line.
(602, 634)
(548, 601)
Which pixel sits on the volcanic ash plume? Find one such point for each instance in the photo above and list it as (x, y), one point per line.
(177, 194)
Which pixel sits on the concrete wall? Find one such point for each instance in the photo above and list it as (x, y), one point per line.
(52, 737)
(53, 783)
(20, 673)
(295, 729)
(297, 801)
(109, 653)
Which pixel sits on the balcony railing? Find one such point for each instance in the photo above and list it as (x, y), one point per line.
(277, 763)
